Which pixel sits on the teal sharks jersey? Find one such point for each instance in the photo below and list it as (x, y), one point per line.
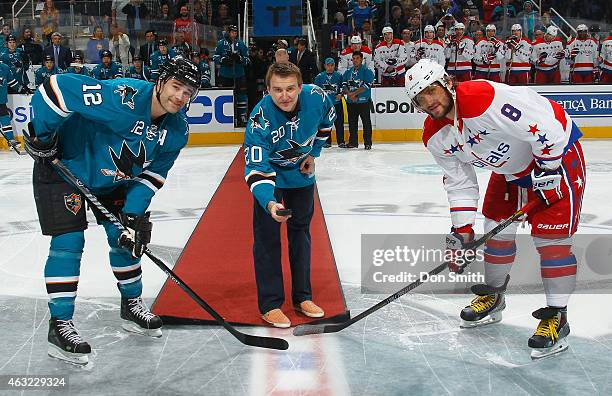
(143, 74)
(82, 71)
(331, 84)
(6, 80)
(158, 59)
(43, 73)
(106, 135)
(19, 64)
(276, 143)
(114, 70)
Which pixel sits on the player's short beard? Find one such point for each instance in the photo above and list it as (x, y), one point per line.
(447, 108)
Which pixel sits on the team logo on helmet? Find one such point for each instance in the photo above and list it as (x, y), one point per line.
(127, 94)
(73, 203)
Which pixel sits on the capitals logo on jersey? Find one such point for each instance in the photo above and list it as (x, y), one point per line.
(127, 94)
(294, 153)
(126, 161)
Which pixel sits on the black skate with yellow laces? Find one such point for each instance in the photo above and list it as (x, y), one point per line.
(550, 336)
(486, 308)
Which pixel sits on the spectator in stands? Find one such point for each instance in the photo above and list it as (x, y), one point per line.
(498, 12)
(222, 17)
(474, 27)
(361, 12)
(31, 47)
(356, 85)
(415, 27)
(163, 24)
(282, 43)
(152, 11)
(281, 55)
(184, 25)
(98, 14)
(340, 29)
(6, 31)
(397, 21)
(49, 19)
(528, 18)
(366, 31)
(120, 46)
(304, 59)
(61, 55)
(451, 7)
(487, 9)
(449, 21)
(202, 12)
(108, 69)
(47, 70)
(149, 47)
(95, 45)
(136, 12)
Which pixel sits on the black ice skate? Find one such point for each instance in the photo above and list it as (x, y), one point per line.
(138, 319)
(550, 336)
(65, 342)
(487, 307)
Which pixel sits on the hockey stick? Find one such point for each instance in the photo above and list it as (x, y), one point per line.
(13, 143)
(306, 329)
(257, 341)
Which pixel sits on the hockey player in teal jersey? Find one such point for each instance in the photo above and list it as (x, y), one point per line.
(76, 67)
(204, 69)
(120, 138)
(6, 80)
(138, 70)
(159, 57)
(331, 82)
(108, 69)
(285, 133)
(47, 70)
(18, 62)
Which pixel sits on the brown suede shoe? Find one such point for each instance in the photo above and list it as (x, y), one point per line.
(276, 318)
(309, 309)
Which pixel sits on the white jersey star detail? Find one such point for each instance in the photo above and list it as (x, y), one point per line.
(579, 182)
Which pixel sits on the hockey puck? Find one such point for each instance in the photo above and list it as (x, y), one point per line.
(283, 212)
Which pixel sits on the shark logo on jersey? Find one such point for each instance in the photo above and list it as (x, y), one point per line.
(316, 90)
(126, 161)
(127, 95)
(295, 153)
(259, 121)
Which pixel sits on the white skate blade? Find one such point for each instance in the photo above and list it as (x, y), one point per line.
(132, 327)
(493, 317)
(74, 358)
(540, 353)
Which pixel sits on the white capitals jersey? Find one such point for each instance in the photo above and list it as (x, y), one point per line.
(482, 50)
(586, 54)
(459, 54)
(410, 54)
(392, 55)
(504, 129)
(433, 50)
(346, 59)
(546, 56)
(518, 56)
(606, 54)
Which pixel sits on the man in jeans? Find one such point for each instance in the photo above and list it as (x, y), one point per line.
(356, 85)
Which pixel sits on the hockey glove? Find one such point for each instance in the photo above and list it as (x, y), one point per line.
(37, 149)
(559, 55)
(226, 61)
(542, 57)
(547, 184)
(26, 90)
(138, 235)
(574, 53)
(457, 255)
(420, 53)
(236, 57)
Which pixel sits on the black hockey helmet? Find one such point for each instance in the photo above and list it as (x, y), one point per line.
(136, 57)
(11, 37)
(195, 54)
(49, 58)
(232, 28)
(182, 70)
(163, 42)
(106, 53)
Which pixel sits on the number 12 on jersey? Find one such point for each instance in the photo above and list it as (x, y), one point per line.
(92, 98)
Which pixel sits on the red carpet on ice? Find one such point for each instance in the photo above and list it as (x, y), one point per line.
(217, 263)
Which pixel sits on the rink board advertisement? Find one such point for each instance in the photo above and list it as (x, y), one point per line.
(211, 115)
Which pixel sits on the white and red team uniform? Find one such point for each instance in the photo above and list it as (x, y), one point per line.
(583, 54)
(410, 54)
(346, 59)
(509, 130)
(487, 57)
(430, 49)
(606, 61)
(459, 53)
(518, 57)
(546, 57)
(391, 56)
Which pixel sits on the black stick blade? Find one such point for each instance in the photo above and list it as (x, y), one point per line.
(265, 342)
(307, 329)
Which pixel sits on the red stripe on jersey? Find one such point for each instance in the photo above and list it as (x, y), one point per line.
(555, 251)
(557, 272)
(559, 113)
(497, 244)
(431, 127)
(463, 209)
(474, 98)
(498, 259)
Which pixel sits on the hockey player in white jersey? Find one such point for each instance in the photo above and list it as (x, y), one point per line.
(488, 52)
(531, 146)
(605, 58)
(429, 47)
(546, 54)
(409, 45)
(346, 57)
(581, 52)
(518, 56)
(459, 52)
(390, 59)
